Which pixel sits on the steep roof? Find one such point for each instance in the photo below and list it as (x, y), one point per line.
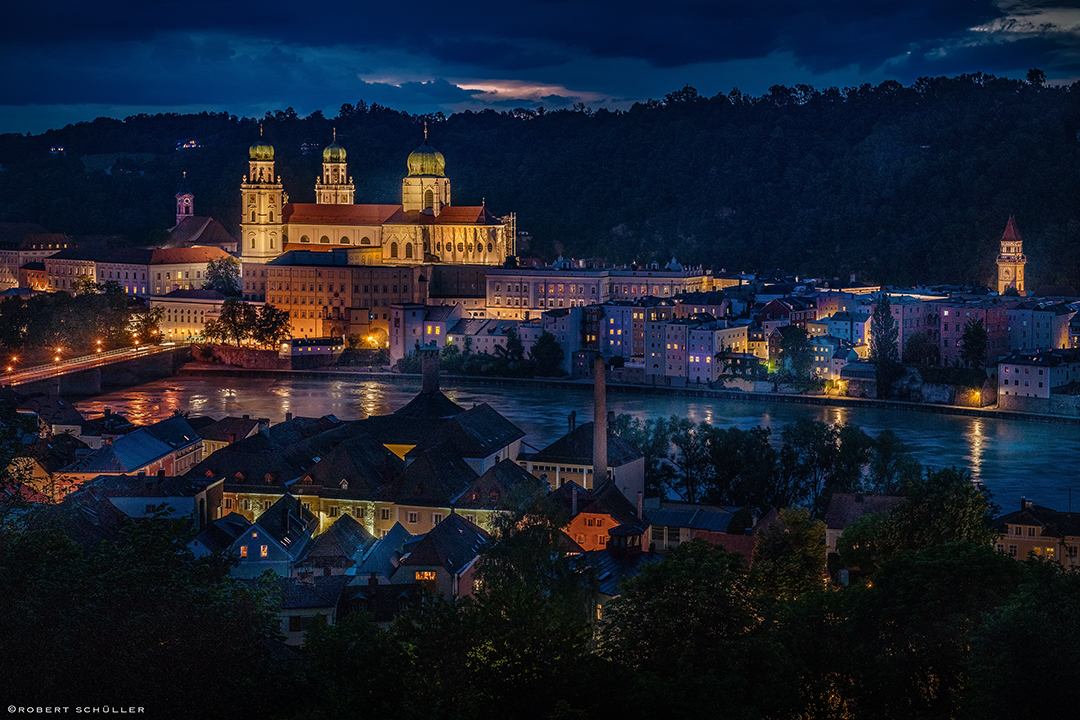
(382, 557)
(576, 448)
(437, 476)
(204, 230)
(1012, 233)
(452, 544)
(449, 215)
(498, 482)
(846, 508)
(346, 538)
(288, 522)
(220, 534)
(228, 429)
(1054, 523)
(361, 462)
(318, 592)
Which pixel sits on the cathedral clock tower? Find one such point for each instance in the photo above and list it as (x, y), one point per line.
(185, 201)
(332, 188)
(1011, 259)
(261, 199)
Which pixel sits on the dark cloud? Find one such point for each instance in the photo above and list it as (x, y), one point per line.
(1051, 52)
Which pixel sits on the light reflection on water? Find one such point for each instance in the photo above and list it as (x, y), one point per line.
(1012, 458)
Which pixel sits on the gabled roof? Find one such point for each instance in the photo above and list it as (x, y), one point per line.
(288, 522)
(576, 448)
(846, 508)
(500, 481)
(382, 557)
(148, 486)
(317, 592)
(603, 500)
(474, 433)
(346, 538)
(1054, 523)
(430, 405)
(361, 462)
(611, 569)
(228, 429)
(452, 544)
(437, 476)
(52, 409)
(449, 215)
(204, 230)
(220, 534)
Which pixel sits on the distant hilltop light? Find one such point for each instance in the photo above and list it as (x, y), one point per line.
(188, 144)
(57, 150)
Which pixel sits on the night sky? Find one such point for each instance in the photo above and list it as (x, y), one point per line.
(65, 61)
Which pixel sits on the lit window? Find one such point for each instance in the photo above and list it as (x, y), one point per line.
(243, 551)
(263, 550)
(425, 576)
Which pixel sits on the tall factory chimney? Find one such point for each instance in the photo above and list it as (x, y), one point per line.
(599, 420)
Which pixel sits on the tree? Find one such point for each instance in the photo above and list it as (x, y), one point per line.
(515, 351)
(145, 325)
(883, 345)
(789, 557)
(796, 351)
(548, 356)
(235, 322)
(651, 438)
(920, 350)
(1036, 77)
(892, 466)
(690, 459)
(84, 285)
(743, 466)
(223, 275)
(689, 621)
(973, 344)
(271, 326)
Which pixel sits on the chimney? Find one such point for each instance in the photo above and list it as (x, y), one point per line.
(373, 580)
(108, 411)
(640, 505)
(1025, 504)
(288, 416)
(573, 502)
(429, 355)
(160, 474)
(264, 426)
(599, 420)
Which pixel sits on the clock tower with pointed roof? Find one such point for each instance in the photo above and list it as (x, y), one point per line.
(1011, 260)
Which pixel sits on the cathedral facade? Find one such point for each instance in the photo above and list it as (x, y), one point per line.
(425, 228)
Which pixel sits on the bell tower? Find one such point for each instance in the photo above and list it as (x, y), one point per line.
(1011, 260)
(185, 201)
(261, 199)
(426, 188)
(332, 188)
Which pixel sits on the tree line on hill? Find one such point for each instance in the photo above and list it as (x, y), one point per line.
(935, 624)
(895, 184)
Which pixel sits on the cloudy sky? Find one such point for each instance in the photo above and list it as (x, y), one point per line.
(63, 61)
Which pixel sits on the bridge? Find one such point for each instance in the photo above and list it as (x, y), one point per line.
(85, 375)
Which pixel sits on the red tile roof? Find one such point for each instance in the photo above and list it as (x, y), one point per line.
(1011, 234)
(315, 214)
(170, 256)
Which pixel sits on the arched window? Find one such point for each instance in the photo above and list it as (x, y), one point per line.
(271, 242)
(365, 240)
(393, 250)
(324, 240)
(252, 242)
(271, 216)
(252, 216)
(344, 240)
(429, 200)
(408, 250)
(305, 239)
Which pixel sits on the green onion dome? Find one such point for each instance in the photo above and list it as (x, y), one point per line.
(426, 160)
(261, 150)
(333, 153)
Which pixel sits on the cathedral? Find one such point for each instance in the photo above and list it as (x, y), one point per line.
(425, 228)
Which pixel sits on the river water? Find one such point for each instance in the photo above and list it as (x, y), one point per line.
(1012, 458)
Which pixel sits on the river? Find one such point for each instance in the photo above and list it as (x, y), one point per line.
(1011, 457)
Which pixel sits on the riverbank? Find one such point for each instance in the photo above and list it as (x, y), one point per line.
(206, 369)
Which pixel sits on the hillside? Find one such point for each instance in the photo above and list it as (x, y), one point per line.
(895, 184)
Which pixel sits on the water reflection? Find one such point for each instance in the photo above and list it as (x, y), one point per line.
(1012, 458)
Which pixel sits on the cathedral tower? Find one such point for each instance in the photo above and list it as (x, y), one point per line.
(185, 201)
(426, 188)
(1011, 260)
(261, 199)
(332, 188)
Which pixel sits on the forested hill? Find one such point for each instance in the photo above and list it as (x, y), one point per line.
(896, 184)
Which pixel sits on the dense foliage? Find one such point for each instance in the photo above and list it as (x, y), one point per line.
(895, 184)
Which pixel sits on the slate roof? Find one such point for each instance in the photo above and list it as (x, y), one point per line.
(52, 409)
(300, 428)
(288, 522)
(228, 429)
(576, 448)
(119, 255)
(430, 405)
(611, 569)
(203, 230)
(437, 476)
(345, 539)
(383, 556)
(603, 500)
(362, 462)
(318, 592)
(846, 508)
(695, 518)
(199, 294)
(1054, 523)
(476, 432)
(220, 534)
(452, 544)
(450, 215)
(384, 602)
(139, 448)
(148, 486)
(500, 481)
(87, 518)
(247, 463)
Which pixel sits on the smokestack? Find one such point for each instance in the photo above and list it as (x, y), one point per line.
(640, 505)
(430, 357)
(599, 420)
(573, 502)
(288, 416)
